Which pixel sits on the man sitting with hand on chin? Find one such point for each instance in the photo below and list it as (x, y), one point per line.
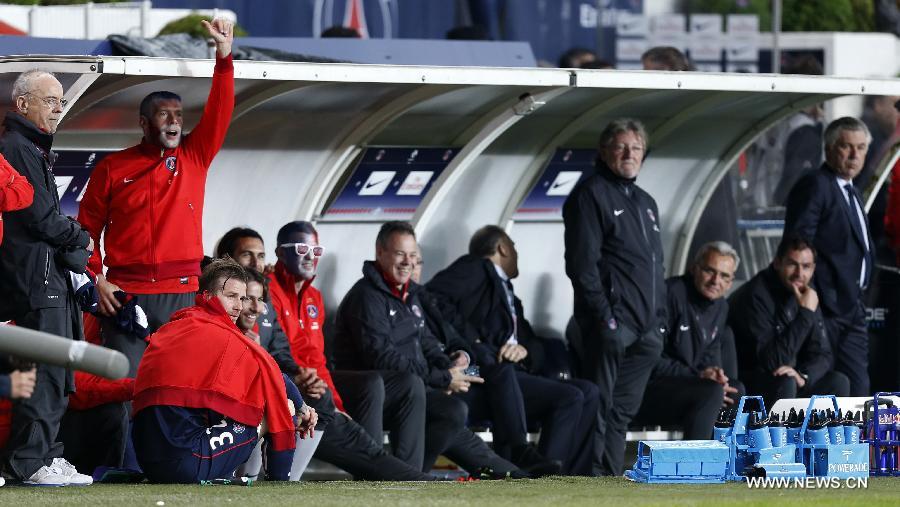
(780, 334)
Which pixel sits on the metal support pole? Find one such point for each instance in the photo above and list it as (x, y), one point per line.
(145, 16)
(88, 8)
(776, 33)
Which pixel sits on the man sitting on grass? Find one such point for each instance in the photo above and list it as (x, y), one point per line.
(204, 392)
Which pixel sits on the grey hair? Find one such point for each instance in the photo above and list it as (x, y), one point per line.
(834, 129)
(621, 125)
(719, 247)
(25, 82)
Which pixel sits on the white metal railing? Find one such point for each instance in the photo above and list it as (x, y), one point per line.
(97, 21)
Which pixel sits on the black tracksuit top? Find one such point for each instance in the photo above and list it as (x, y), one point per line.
(376, 330)
(614, 254)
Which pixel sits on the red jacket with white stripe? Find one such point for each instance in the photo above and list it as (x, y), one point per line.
(148, 202)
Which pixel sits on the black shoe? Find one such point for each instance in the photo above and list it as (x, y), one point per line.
(488, 474)
(533, 463)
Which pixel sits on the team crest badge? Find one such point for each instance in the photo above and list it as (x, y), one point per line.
(312, 311)
(417, 311)
(238, 428)
(170, 163)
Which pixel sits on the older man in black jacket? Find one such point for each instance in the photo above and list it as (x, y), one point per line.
(380, 325)
(781, 338)
(478, 288)
(41, 246)
(691, 380)
(614, 258)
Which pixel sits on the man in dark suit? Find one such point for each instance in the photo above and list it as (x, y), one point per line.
(825, 207)
(477, 288)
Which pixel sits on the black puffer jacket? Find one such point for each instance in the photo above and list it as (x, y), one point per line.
(376, 330)
(40, 244)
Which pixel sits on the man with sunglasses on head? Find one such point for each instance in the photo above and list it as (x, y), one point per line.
(697, 372)
(147, 203)
(41, 249)
(299, 307)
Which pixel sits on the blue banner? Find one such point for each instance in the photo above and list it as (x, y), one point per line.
(545, 200)
(389, 183)
(72, 171)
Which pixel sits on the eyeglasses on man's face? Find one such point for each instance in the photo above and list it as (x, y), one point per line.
(51, 102)
(711, 272)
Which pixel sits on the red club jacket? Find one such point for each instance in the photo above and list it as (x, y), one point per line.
(302, 317)
(15, 191)
(148, 202)
(200, 359)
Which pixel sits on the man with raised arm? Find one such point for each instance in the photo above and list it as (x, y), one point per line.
(147, 203)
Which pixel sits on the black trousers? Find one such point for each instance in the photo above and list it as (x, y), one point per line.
(35, 421)
(388, 400)
(690, 402)
(347, 445)
(95, 437)
(446, 433)
(849, 337)
(566, 412)
(620, 364)
(773, 388)
(159, 308)
(499, 401)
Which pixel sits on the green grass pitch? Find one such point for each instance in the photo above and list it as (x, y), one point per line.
(554, 491)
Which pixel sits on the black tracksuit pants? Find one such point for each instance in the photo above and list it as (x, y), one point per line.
(620, 366)
(95, 437)
(347, 445)
(387, 400)
(35, 421)
(159, 308)
(692, 403)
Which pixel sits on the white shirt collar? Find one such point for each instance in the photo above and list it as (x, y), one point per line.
(503, 275)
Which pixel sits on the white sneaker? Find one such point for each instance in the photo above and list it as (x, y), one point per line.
(75, 478)
(48, 476)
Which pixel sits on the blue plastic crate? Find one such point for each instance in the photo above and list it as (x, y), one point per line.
(685, 462)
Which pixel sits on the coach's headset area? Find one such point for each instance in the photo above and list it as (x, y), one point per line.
(299, 130)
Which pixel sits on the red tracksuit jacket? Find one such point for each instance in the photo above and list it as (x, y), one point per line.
(15, 191)
(148, 202)
(302, 318)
